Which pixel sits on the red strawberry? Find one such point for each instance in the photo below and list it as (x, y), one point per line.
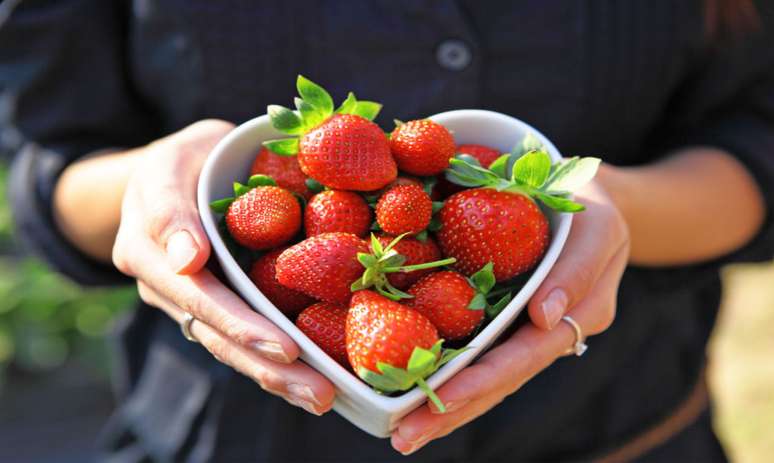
(263, 274)
(404, 209)
(484, 154)
(325, 325)
(422, 147)
(342, 150)
(392, 347)
(337, 211)
(323, 266)
(444, 298)
(283, 169)
(381, 330)
(263, 217)
(484, 225)
(401, 180)
(415, 252)
(501, 223)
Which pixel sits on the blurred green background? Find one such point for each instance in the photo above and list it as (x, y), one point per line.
(54, 362)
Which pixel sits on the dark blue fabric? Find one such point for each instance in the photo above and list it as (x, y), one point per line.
(627, 81)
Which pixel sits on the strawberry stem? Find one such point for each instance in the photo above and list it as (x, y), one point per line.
(431, 395)
(426, 265)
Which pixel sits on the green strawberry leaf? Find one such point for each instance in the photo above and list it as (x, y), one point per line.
(393, 260)
(283, 146)
(421, 236)
(559, 203)
(285, 120)
(463, 180)
(367, 109)
(436, 349)
(220, 206)
(428, 183)
(368, 260)
(376, 246)
(478, 302)
(397, 122)
(532, 168)
(310, 115)
(313, 185)
(464, 157)
(260, 180)
(572, 174)
(422, 362)
(402, 378)
(348, 105)
(484, 279)
(435, 224)
(381, 383)
(498, 166)
(437, 206)
(315, 95)
(240, 189)
(449, 355)
(494, 310)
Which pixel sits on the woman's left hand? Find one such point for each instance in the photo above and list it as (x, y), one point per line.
(583, 284)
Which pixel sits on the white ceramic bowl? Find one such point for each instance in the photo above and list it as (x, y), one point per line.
(376, 414)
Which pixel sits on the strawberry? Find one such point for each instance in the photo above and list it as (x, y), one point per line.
(400, 180)
(453, 303)
(283, 169)
(337, 211)
(422, 147)
(404, 209)
(263, 274)
(342, 150)
(325, 325)
(392, 347)
(261, 215)
(500, 222)
(484, 154)
(323, 266)
(485, 225)
(415, 252)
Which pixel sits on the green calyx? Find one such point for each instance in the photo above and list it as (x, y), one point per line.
(384, 260)
(314, 106)
(528, 170)
(220, 206)
(421, 364)
(483, 281)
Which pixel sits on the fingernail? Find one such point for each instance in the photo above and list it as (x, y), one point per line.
(181, 250)
(271, 350)
(554, 307)
(450, 407)
(419, 442)
(303, 396)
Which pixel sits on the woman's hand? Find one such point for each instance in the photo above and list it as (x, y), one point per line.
(583, 284)
(161, 243)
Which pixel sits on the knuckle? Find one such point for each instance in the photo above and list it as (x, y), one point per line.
(121, 258)
(160, 218)
(220, 350)
(606, 319)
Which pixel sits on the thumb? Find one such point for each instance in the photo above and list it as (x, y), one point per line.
(187, 250)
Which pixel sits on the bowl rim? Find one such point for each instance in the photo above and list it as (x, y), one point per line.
(309, 349)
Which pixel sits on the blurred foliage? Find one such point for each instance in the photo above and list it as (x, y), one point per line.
(45, 320)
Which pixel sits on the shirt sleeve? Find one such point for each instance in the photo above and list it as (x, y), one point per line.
(65, 91)
(728, 103)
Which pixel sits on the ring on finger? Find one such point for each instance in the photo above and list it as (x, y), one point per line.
(579, 347)
(185, 327)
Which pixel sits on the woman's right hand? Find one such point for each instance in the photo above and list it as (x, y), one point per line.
(161, 243)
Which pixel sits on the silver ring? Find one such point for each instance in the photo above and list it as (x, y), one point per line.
(580, 345)
(185, 327)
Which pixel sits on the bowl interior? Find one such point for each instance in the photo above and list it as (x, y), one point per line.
(231, 160)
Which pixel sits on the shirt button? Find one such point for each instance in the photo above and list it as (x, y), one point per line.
(453, 54)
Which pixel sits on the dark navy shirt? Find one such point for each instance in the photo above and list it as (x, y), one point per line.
(626, 81)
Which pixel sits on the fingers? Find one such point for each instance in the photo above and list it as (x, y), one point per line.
(597, 234)
(168, 194)
(504, 369)
(297, 383)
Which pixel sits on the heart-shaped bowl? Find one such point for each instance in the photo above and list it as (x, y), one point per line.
(372, 412)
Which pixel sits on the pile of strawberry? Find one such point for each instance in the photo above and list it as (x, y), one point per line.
(450, 227)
